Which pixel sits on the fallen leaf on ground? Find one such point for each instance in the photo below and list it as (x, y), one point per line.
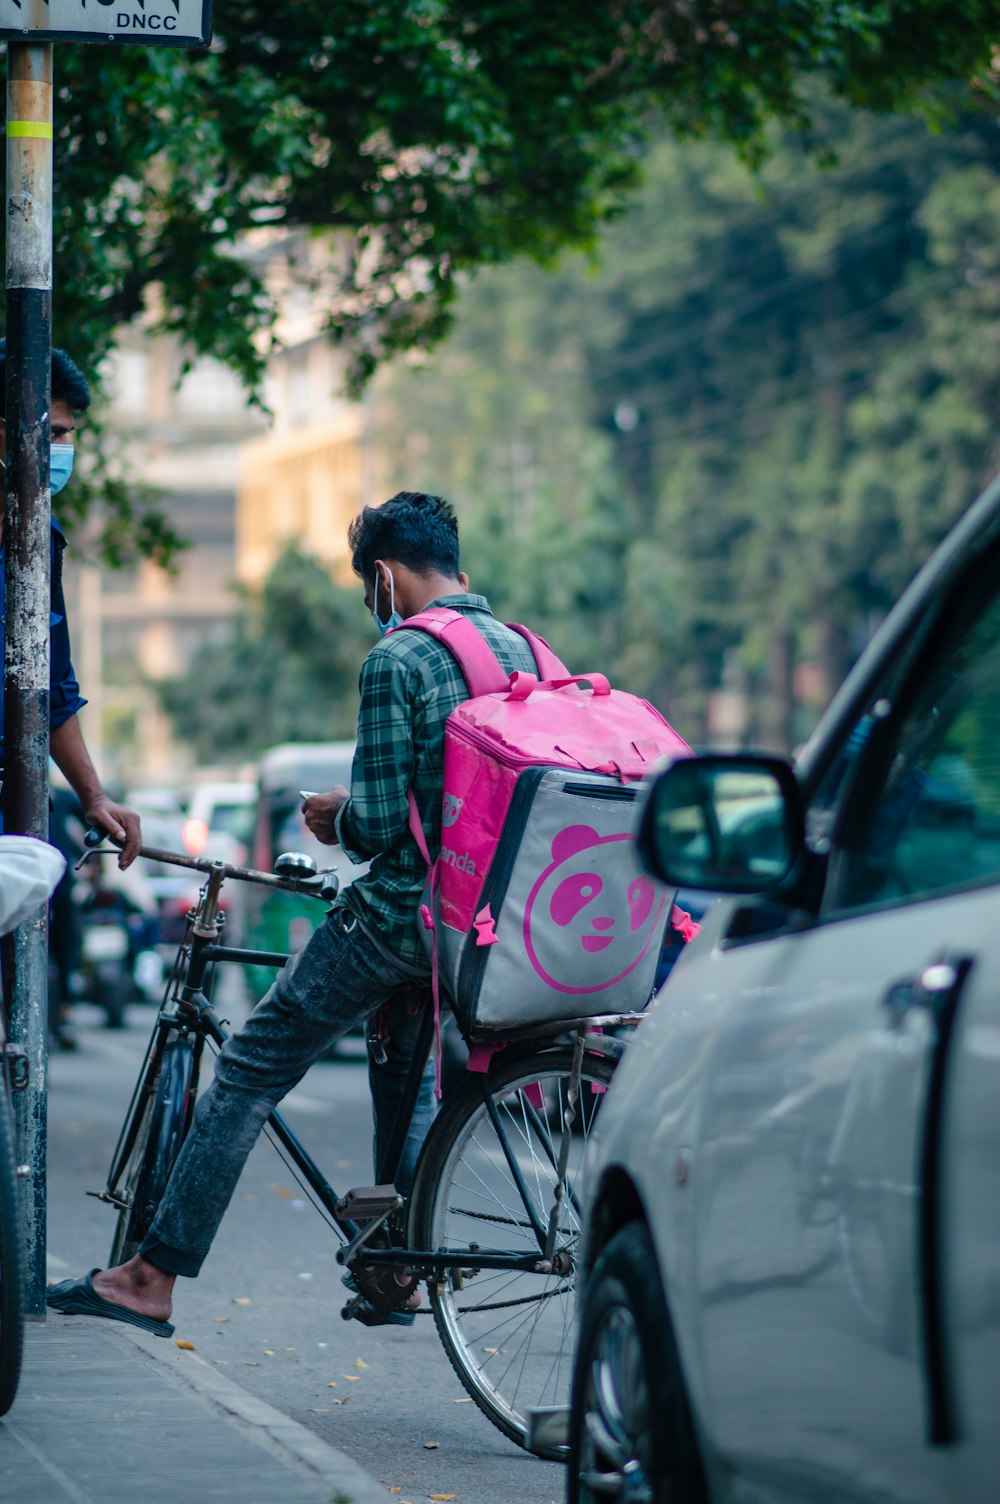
(220, 1318)
(188, 1347)
(332, 1384)
(442, 1496)
(242, 1300)
(290, 1349)
(269, 1352)
(464, 1401)
(492, 1349)
(429, 1446)
(221, 1362)
(360, 1363)
(319, 1410)
(395, 1489)
(352, 1378)
(285, 1195)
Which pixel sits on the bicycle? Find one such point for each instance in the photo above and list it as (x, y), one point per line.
(492, 1221)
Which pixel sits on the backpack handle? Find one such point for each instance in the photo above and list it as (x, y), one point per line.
(522, 685)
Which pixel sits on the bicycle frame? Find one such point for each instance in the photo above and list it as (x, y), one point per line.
(187, 1008)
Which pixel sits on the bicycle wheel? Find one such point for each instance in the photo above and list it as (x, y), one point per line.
(162, 1129)
(486, 1181)
(11, 1265)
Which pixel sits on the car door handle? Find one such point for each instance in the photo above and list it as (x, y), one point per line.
(927, 990)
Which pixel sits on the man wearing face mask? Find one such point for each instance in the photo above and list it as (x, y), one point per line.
(70, 395)
(366, 960)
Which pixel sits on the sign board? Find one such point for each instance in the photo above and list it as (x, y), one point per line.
(164, 23)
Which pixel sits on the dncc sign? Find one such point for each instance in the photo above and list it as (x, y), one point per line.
(169, 23)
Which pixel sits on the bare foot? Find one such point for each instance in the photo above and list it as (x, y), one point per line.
(139, 1286)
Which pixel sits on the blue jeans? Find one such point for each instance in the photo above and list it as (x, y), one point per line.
(335, 983)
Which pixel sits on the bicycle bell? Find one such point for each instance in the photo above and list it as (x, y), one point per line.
(294, 864)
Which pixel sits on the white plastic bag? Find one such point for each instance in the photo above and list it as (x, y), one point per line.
(29, 870)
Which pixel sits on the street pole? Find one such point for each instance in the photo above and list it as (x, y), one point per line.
(27, 538)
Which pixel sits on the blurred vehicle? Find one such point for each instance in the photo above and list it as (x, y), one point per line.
(790, 1283)
(279, 921)
(155, 801)
(219, 820)
(171, 889)
(118, 962)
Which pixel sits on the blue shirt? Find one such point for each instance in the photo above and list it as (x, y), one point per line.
(64, 692)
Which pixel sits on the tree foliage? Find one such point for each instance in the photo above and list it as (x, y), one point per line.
(713, 462)
(440, 135)
(431, 137)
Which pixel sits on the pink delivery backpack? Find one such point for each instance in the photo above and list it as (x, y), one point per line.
(536, 908)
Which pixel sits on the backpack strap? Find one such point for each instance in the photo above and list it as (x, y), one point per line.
(549, 665)
(482, 670)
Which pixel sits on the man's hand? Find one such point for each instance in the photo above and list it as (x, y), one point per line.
(320, 812)
(120, 822)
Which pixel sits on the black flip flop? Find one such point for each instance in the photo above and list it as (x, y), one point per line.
(77, 1297)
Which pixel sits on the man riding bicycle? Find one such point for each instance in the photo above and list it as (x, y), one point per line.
(367, 954)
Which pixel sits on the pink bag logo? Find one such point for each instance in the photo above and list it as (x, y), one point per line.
(584, 927)
(451, 808)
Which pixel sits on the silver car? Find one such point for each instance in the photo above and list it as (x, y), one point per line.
(791, 1262)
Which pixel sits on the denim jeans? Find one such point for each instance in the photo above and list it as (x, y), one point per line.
(335, 983)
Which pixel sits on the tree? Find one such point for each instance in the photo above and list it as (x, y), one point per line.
(433, 137)
(287, 671)
(740, 435)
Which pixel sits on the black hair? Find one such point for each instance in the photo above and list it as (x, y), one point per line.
(68, 381)
(417, 530)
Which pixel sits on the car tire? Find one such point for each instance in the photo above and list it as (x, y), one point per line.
(631, 1433)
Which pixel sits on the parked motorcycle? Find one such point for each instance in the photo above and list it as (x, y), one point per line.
(118, 962)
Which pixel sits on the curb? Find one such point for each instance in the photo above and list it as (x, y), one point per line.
(285, 1438)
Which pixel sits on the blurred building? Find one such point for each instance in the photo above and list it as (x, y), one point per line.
(238, 485)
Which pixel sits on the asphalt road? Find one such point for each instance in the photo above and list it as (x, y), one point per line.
(266, 1307)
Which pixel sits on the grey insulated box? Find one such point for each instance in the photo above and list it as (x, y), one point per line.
(578, 925)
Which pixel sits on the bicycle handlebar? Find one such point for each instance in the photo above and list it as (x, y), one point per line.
(322, 885)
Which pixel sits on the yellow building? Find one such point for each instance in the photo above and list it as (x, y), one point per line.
(302, 486)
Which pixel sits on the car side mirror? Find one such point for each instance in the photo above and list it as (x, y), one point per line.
(729, 824)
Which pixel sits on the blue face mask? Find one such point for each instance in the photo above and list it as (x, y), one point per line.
(395, 620)
(60, 466)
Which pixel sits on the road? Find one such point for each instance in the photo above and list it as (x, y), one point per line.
(266, 1307)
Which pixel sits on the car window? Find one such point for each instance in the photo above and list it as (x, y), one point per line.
(924, 811)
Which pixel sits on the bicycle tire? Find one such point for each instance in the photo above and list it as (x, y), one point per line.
(11, 1262)
(507, 1333)
(157, 1143)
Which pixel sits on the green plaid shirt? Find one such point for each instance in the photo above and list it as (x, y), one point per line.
(409, 686)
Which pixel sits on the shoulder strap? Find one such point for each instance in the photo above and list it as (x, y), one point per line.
(483, 672)
(549, 665)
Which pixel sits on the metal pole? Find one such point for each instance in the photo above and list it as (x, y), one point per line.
(27, 534)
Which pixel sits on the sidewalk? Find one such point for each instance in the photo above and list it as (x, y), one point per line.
(108, 1415)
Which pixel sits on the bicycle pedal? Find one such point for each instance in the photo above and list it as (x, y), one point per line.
(366, 1202)
(352, 1307)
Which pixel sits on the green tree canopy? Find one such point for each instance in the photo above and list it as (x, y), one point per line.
(441, 135)
(713, 462)
(434, 137)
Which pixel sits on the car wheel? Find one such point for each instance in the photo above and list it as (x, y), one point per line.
(631, 1435)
